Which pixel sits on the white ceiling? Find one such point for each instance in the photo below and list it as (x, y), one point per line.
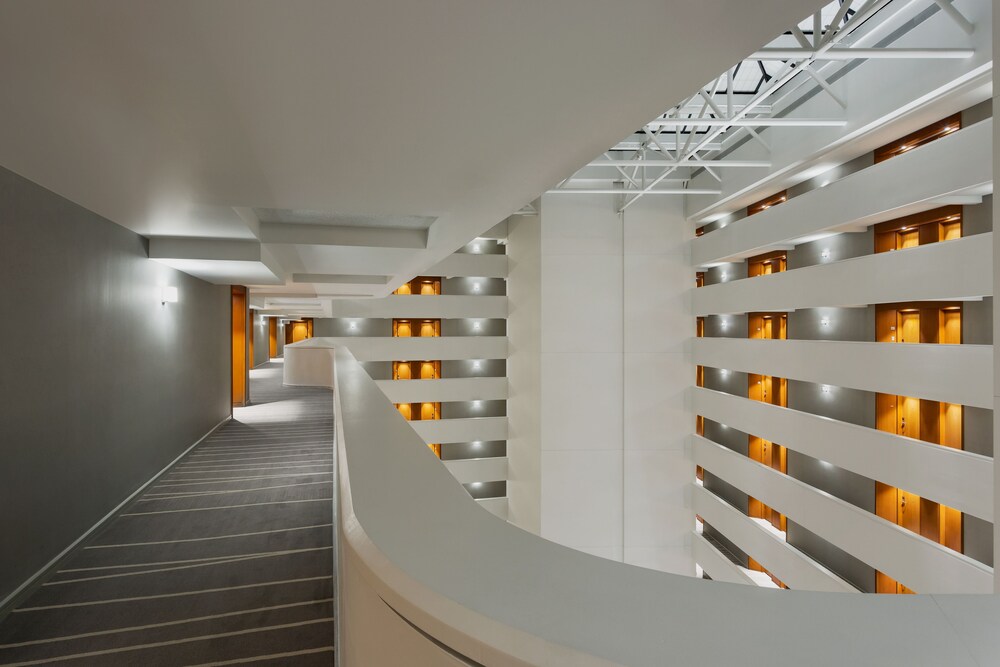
(181, 118)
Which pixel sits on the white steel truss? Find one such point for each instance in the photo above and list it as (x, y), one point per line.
(690, 136)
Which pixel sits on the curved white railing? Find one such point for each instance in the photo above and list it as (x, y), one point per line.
(427, 577)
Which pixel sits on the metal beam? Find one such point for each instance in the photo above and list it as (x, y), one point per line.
(747, 122)
(742, 164)
(622, 191)
(871, 54)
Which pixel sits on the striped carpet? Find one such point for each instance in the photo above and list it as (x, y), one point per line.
(226, 560)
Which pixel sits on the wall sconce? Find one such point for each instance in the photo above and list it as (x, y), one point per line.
(476, 365)
(168, 295)
(477, 404)
(475, 326)
(825, 321)
(477, 444)
(475, 287)
(724, 323)
(723, 276)
(476, 485)
(475, 247)
(353, 326)
(825, 389)
(825, 254)
(725, 372)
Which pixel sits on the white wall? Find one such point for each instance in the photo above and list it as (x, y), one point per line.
(614, 319)
(524, 372)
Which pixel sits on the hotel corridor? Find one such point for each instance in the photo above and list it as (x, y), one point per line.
(225, 559)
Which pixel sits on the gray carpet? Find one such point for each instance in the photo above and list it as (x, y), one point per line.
(226, 560)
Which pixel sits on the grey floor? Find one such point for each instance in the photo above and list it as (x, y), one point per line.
(225, 560)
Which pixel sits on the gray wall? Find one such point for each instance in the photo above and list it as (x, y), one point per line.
(341, 326)
(978, 112)
(378, 370)
(839, 247)
(466, 368)
(977, 430)
(857, 572)
(977, 539)
(977, 322)
(484, 449)
(978, 218)
(470, 409)
(848, 405)
(845, 324)
(487, 489)
(726, 326)
(838, 482)
(467, 327)
(722, 542)
(260, 339)
(467, 286)
(102, 384)
(831, 175)
(730, 382)
(732, 271)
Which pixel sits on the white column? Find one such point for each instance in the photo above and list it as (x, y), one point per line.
(657, 374)
(524, 372)
(582, 374)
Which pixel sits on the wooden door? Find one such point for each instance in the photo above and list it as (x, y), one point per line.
(908, 326)
(908, 238)
(299, 331)
(430, 370)
(272, 337)
(430, 411)
(427, 330)
(406, 410)
(951, 326)
(908, 416)
(240, 346)
(401, 370)
(908, 510)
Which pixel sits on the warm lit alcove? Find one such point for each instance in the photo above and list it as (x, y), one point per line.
(421, 285)
(930, 421)
(939, 224)
(919, 322)
(422, 328)
(411, 370)
(766, 264)
(925, 135)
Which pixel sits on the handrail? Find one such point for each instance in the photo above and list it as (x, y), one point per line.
(494, 594)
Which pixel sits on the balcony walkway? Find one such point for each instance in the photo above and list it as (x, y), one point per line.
(225, 560)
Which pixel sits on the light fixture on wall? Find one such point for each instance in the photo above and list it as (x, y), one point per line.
(476, 365)
(725, 372)
(824, 321)
(477, 444)
(475, 287)
(825, 254)
(168, 294)
(723, 322)
(353, 326)
(476, 485)
(476, 247)
(723, 276)
(825, 389)
(476, 326)
(477, 404)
